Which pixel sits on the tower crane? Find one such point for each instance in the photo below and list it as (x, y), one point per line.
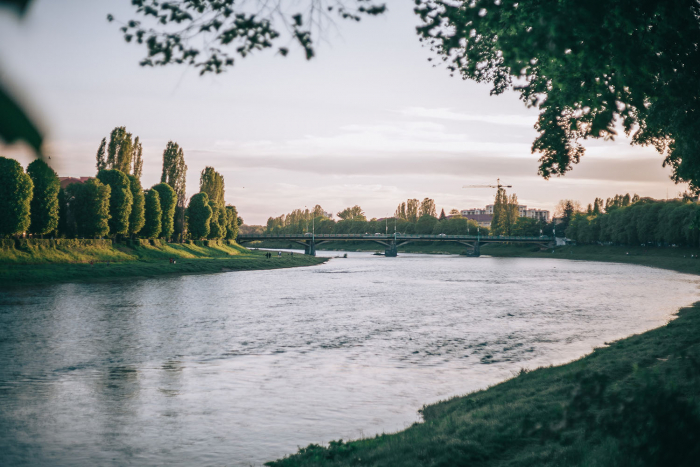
(497, 185)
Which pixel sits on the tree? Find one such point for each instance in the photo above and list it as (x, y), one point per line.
(442, 215)
(318, 212)
(232, 225)
(224, 24)
(174, 174)
(427, 208)
(426, 224)
(137, 217)
(44, 209)
(354, 213)
(217, 223)
(198, 216)
(153, 215)
(412, 210)
(211, 182)
(90, 204)
(505, 213)
(137, 159)
(167, 204)
(120, 200)
(101, 155)
(565, 58)
(16, 189)
(400, 211)
(565, 212)
(455, 212)
(120, 151)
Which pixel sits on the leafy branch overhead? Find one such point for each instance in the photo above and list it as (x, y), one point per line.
(587, 65)
(208, 33)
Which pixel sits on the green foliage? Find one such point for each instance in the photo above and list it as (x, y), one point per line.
(168, 200)
(89, 204)
(65, 226)
(505, 213)
(211, 182)
(217, 223)
(153, 215)
(137, 217)
(44, 205)
(427, 208)
(16, 189)
(226, 24)
(354, 213)
(456, 226)
(526, 227)
(120, 200)
(425, 224)
(565, 58)
(101, 155)
(175, 170)
(119, 151)
(232, 222)
(137, 159)
(198, 216)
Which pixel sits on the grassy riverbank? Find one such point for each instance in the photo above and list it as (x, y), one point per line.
(43, 262)
(635, 402)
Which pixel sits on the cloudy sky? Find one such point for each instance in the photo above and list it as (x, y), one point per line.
(369, 121)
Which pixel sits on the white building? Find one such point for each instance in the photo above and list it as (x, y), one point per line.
(523, 211)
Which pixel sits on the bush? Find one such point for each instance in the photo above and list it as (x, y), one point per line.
(16, 189)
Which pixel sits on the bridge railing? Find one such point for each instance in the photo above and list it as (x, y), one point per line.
(483, 238)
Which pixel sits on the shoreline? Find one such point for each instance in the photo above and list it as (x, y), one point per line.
(632, 402)
(123, 263)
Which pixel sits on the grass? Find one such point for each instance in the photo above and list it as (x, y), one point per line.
(634, 402)
(44, 264)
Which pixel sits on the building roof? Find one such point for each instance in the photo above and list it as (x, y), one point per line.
(65, 181)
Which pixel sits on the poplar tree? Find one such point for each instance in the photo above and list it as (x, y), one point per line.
(120, 200)
(137, 217)
(16, 189)
(89, 205)
(137, 159)
(174, 174)
(211, 182)
(121, 152)
(231, 222)
(153, 215)
(167, 204)
(505, 213)
(427, 208)
(217, 223)
(101, 155)
(412, 206)
(198, 216)
(44, 209)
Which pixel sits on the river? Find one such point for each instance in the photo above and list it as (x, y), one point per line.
(243, 367)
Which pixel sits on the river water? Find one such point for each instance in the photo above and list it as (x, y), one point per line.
(243, 367)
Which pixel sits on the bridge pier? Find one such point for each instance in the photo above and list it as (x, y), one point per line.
(310, 248)
(391, 250)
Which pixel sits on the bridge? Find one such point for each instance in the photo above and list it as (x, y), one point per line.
(392, 242)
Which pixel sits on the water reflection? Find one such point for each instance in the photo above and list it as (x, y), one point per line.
(239, 368)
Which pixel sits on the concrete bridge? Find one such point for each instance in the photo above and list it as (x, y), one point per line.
(392, 242)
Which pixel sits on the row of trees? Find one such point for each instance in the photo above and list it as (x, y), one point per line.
(636, 221)
(114, 203)
(304, 220)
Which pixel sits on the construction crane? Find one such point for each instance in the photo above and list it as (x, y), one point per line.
(497, 185)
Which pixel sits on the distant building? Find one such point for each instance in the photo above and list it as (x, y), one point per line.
(65, 181)
(480, 215)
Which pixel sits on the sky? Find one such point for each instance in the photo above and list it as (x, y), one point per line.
(368, 121)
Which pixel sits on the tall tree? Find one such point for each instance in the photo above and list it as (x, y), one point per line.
(137, 217)
(153, 215)
(174, 170)
(120, 200)
(114, 150)
(505, 213)
(198, 216)
(566, 58)
(137, 159)
(16, 189)
(400, 212)
(44, 209)
(232, 226)
(211, 182)
(101, 155)
(354, 213)
(217, 223)
(442, 215)
(168, 201)
(89, 205)
(412, 210)
(427, 208)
